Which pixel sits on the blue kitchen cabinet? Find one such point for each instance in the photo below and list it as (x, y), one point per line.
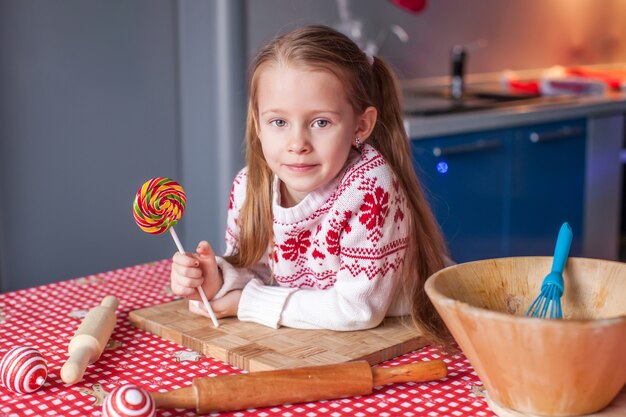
(505, 192)
(465, 178)
(548, 178)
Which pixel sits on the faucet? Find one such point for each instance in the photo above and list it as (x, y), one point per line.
(458, 58)
(457, 80)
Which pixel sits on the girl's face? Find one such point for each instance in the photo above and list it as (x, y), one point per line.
(306, 126)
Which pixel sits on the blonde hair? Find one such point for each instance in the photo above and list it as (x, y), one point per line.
(366, 84)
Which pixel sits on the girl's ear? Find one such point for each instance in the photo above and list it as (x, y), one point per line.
(365, 124)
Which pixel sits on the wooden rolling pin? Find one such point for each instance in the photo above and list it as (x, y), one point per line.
(90, 339)
(289, 386)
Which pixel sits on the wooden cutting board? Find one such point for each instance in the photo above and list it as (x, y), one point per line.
(255, 347)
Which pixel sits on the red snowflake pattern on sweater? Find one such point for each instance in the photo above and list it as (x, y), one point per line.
(232, 233)
(398, 216)
(296, 245)
(374, 209)
(337, 227)
(231, 200)
(358, 227)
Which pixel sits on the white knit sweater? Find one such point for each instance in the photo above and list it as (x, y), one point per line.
(337, 254)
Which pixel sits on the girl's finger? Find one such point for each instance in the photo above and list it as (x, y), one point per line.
(185, 259)
(187, 272)
(192, 283)
(204, 249)
(190, 293)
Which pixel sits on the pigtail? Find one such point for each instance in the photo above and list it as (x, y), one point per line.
(427, 249)
(255, 217)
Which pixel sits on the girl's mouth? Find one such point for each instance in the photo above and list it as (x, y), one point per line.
(300, 167)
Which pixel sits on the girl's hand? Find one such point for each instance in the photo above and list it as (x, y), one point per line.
(189, 271)
(227, 305)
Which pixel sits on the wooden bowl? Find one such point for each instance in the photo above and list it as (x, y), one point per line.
(568, 367)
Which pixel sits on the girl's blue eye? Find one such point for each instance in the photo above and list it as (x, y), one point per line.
(321, 123)
(278, 123)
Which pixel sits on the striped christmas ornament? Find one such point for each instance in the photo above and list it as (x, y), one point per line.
(158, 205)
(23, 370)
(128, 401)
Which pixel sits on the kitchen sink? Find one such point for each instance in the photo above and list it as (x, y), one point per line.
(437, 102)
(502, 97)
(449, 108)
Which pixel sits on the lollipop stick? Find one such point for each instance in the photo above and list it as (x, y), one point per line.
(205, 301)
(177, 240)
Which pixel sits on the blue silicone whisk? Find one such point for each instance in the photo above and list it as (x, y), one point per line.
(552, 287)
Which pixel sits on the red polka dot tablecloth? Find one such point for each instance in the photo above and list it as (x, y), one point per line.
(46, 318)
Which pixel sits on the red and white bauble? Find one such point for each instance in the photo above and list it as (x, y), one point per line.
(128, 401)
(23, 370)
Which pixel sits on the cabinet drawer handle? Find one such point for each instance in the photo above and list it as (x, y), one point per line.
(563, 133)
(477, 146)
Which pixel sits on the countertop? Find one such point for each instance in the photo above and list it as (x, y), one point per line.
(536, 110)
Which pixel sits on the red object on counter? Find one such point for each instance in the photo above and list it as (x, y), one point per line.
(614, 79)
(412, 6)
(526, 86)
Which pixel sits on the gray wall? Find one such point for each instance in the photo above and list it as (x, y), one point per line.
(97, 96)
(92, 104)
(212, 103)
(87, 113)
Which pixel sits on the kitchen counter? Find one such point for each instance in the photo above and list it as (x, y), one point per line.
(539, 110)
(605, 117)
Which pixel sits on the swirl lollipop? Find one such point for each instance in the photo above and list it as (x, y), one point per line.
(159, 204)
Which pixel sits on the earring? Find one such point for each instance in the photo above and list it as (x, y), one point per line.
(358, 143)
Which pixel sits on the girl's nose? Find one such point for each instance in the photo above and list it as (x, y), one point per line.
(299, 144)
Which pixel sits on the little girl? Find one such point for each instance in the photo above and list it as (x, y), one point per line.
(327, 226)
